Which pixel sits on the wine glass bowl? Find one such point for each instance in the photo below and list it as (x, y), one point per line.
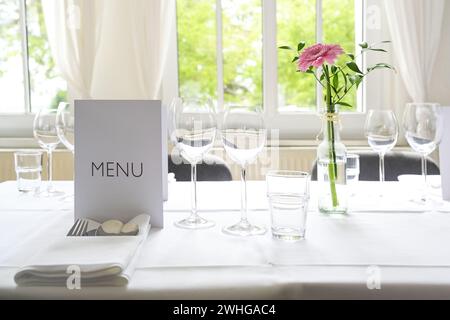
(422, 127)
(65, 125)
(44, 129)
(381, 130)
(193, 133)
(243, 136)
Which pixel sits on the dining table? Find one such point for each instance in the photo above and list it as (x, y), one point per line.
(388, 246)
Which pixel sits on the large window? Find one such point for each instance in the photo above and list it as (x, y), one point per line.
(221, 45)
(231, 28)
(28, 77)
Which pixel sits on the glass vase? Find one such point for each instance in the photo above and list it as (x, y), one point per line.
(331, 168)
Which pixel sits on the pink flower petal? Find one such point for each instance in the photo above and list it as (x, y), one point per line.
(317, 55)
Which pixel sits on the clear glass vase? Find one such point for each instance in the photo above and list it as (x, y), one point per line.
(331, 168)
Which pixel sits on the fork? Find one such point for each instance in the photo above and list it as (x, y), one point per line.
(78, 229)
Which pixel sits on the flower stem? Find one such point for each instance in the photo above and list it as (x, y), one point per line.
(332, 166)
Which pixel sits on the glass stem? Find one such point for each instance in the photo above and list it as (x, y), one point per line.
(381, 167)
(50, 170)
(194, 189)
(243, 195)
(424, 176)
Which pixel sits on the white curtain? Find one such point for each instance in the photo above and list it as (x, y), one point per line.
(415, 27)
(110, 49)
(71, 29)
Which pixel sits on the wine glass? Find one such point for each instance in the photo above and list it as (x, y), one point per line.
(423, 129)
(243, 137)
(381, 130)
(194, 131)
(65, 125)
(44, 131)
(65, 128)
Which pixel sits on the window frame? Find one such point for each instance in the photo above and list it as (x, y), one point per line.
(16, 128)
(301, 124)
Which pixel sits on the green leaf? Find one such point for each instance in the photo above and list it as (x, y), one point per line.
(379, 50)
(355, 79)
(345, 104)
(322, 76)
(336, 80)
(380, 66)
(358, 80)
(295, 59)
(354, 67)
(285, 48)
(301, 45)
(351, 55)
(345, 79)
(364, 45)
(333, 69)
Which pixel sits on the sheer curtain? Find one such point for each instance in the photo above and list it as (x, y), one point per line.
(72, 30)
(415, 27)
(110, 49)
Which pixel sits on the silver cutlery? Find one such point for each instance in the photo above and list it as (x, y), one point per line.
(79, 228)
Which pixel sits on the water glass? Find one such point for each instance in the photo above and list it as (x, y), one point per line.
(288, 195)
(352, 171)
(28, 166)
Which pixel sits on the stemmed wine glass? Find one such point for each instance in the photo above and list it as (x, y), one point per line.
(381, 130)
(423, 129)
(194, 131)
(243, 137)
(65, 128)
(65, 125)
(44, 130)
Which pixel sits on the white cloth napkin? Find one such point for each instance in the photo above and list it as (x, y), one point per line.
(107, 261)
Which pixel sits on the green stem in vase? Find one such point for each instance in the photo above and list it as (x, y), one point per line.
(332, 166)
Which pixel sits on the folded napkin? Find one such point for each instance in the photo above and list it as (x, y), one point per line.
(102, 261)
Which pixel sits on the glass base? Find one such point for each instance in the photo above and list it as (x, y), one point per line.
(244, 229)
(336, 211)
(50, 194)
(69, 198)
(194, 222)
(288, 238)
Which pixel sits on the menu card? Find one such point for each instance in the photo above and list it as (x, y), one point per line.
(444, 154)
(120, 159)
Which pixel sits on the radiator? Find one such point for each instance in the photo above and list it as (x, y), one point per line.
(62, 165)
(282, 158)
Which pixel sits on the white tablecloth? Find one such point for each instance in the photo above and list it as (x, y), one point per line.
(406, 251)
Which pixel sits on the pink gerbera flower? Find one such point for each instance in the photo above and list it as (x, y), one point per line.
(318, 54)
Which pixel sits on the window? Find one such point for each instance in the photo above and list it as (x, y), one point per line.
(28, 77)
(234, 76)
(227, 49)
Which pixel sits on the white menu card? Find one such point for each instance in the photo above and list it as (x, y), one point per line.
(444, 154)
(120, 159)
